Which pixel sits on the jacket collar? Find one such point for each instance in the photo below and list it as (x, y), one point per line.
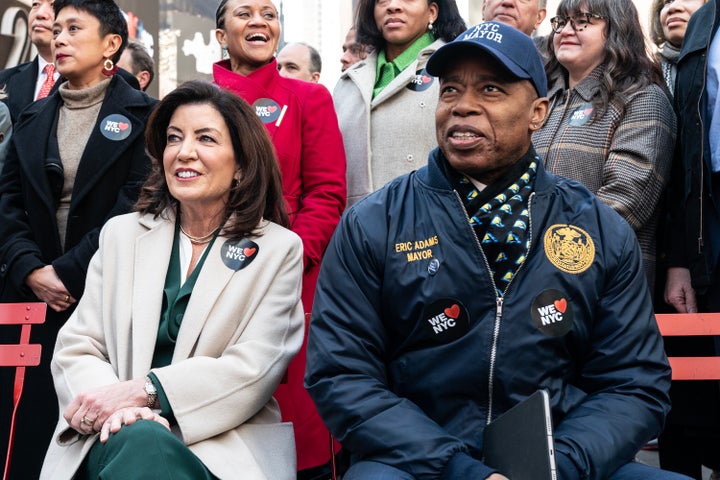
(587, 88)
(434, 175)
(362, 74)
(701, 28)
(250, 87)
(99, 153)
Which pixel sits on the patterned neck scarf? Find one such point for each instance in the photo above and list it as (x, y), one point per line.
(500, 218)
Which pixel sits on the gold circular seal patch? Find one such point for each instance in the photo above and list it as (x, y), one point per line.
(569, 248)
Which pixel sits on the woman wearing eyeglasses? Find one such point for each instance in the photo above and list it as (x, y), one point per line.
(611, 124)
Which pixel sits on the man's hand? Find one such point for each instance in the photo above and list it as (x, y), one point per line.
(679, 292)
(48, 287)
(497, 476)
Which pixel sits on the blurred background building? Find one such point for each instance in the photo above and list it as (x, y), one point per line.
(180, 33)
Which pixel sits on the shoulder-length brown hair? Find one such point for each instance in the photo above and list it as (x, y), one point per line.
(258, 192)
(628, 64)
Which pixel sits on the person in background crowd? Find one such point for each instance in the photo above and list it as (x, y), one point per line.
(300, 61)
(136, 60)
(384, 105)
(692, 435)
(611, 125)
(353, 51)
(173, 320)
(77, 158)
(430, 314)
(525, 15)
(5, 129)
(668, 22)
(29, 81)
(302, 124)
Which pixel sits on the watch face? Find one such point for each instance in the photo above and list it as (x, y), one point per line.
(150, 387)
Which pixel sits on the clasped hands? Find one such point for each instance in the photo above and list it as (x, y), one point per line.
(106, 409)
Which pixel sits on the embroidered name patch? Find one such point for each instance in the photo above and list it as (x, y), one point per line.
(569, 248)
(415, 250)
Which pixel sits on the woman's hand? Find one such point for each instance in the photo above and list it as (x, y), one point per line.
(92, 408)
(128, 416)
(48, 287)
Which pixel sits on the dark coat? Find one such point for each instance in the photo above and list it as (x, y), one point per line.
(694, 232)
(398, 382)
(107, 183)
(19, 82)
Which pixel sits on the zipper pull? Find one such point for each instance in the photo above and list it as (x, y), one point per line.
(498, 307)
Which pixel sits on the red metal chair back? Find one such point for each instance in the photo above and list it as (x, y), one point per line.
(691, 324)
(20, 355)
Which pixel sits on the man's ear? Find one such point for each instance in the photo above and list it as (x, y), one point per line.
(540, 107)
(542, 13)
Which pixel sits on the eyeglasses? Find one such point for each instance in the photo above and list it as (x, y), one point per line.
(578, 23)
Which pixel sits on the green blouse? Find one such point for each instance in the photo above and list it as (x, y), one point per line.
(175, 300)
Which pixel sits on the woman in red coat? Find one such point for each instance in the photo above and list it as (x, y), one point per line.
(302, 123)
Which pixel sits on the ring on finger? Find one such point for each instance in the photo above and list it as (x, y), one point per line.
(67, 298)
(88, 422)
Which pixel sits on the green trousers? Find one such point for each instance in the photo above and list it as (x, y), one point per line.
(144, 450)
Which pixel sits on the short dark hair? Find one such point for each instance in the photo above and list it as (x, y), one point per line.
(108, 14)
(315, 59)
(141, 59)
(258, 192)
(449, 23)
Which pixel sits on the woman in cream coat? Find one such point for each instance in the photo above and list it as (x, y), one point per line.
(144, 354)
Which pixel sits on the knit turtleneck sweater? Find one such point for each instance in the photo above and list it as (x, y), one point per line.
(78, 116)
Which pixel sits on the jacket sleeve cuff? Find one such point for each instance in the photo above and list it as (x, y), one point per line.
(566, 468)
(21, 269)
(462, 466)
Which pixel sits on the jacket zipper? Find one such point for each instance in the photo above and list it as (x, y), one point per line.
(701, 227)
(498, 299)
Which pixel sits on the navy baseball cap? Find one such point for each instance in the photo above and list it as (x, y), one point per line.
(509, 46)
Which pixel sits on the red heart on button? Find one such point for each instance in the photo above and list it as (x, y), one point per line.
(453, 311)
(561, 305)
(249, 252)
(123, 126)
(272, 109)
(426, 79)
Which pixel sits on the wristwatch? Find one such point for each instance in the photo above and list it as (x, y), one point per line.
(151, 391)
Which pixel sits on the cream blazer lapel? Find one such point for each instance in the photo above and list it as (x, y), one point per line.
(152, 248)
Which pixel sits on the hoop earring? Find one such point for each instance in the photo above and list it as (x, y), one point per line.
(109, 68)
